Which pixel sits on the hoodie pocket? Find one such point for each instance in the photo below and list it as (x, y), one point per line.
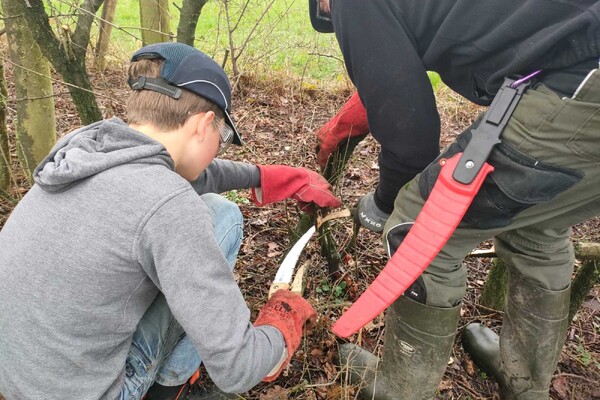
(517, 183)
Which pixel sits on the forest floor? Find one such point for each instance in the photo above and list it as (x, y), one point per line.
(277, 119)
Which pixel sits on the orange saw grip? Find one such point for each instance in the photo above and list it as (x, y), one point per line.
(444, 209)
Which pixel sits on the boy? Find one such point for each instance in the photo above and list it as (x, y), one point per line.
(112, 255)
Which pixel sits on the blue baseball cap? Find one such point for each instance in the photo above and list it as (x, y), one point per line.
(188, 68)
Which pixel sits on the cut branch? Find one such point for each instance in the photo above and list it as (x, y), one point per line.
(583, 251)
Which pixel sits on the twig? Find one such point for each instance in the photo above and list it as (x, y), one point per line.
(575, 376)
(59, 81)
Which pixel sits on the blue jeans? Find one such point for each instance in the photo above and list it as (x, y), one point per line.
(160, 351)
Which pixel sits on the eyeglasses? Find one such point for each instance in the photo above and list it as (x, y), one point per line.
(225, 135)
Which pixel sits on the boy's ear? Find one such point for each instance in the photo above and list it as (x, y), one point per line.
(203, 123)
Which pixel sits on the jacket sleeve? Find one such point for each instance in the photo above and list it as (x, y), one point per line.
(395, 90)
(224, 175)
(178, 250)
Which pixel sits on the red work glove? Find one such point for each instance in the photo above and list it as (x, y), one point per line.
(350, 121)
(278, 182)
(289, 313)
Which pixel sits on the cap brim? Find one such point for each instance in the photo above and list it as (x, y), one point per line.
(237, 138)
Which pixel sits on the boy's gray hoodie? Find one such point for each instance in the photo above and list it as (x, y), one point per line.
(107, 225)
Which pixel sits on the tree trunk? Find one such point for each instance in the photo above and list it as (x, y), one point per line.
(188, 20)
(85, 20)
(587, 276)
(494, 292)
(67, 56)
(155, 21)
(587, 251)
(35, 126)
(4, 151)
(108, 16)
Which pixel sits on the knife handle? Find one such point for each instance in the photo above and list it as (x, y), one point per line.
(275, 286)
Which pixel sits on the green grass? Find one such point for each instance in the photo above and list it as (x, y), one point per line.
(435, 79)
(283, 41)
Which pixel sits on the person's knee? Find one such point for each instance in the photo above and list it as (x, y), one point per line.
(223, 210)
(228, 225)
(442, 286)
(543, 258)
(444, 282)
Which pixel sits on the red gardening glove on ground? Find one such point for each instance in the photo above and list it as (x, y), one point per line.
(350, 121)
(289, 313)
(278, 182)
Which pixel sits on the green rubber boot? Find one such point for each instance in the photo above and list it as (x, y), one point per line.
(524, 357)
(417, 344)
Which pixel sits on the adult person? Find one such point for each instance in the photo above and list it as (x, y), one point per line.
(545, 178)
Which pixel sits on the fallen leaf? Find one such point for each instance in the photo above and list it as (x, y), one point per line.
(275, 393)
(335, 392)
(560, 385)
(469, 366)
(273, 252)
(445, 385)
(592, 304)
(316, 352)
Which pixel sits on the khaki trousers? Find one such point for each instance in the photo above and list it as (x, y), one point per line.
(562, 134)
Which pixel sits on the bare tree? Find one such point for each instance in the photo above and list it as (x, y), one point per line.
(233, 20)
(35, 125)
(155, 21)
(66, 51)
(106, 24)
(4, 151)
(189, 12)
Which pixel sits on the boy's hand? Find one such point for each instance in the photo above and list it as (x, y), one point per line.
(278, 182)
(289, 313)
(350, 121)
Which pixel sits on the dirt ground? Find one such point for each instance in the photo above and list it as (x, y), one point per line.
(278, 119)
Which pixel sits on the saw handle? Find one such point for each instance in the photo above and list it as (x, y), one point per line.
(275, 286)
